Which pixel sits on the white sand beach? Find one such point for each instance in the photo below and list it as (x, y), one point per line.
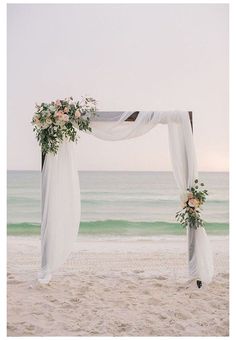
(117, 287)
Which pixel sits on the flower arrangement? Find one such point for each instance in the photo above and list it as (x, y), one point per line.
(192, 201)
(56, 121)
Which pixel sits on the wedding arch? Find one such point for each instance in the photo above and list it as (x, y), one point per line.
(61, 191)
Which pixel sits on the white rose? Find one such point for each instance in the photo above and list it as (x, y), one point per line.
(49, 121)
(52, 108)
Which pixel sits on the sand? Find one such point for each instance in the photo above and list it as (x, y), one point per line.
(117, 287)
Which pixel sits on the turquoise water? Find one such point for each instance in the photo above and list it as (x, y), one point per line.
(119, 203)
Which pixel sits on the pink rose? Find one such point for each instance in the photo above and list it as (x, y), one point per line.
(66, 109)
(58, 102)
(193, 202)
(59, 114)
(77, 113)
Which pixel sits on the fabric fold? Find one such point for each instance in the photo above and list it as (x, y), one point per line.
(60, 209)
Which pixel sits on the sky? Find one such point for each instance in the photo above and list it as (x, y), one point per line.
(127, 57)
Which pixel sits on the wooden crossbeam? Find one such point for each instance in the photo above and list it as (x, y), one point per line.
(131, 118)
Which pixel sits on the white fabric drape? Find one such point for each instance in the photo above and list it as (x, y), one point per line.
(60, 209)
(61, 169)
(184, 164)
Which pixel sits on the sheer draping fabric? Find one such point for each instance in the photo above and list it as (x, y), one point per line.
(60, 209)
(113, 126)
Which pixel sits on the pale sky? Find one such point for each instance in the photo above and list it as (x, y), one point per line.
(128, 57)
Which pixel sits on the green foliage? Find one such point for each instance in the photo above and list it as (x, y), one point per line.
(59, 120)
(190, 215)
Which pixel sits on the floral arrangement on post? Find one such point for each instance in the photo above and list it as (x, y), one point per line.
(192, 201)
(56, 121)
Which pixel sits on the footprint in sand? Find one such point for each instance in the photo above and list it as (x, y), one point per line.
(182, 316)
(132, 286)
(107, 289)
(10, 276)
(179, 327)
(161, 277)
(153, 301)
(14, 282)
(37, 313)
(136, 271)
(163, 317)
(11, 327)
(123, 326)
(30, 327)
(75, 299)
(181, 288)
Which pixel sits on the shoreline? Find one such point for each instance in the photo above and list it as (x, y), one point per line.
(122, 228)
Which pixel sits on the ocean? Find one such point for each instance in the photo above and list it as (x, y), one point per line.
(119, 203)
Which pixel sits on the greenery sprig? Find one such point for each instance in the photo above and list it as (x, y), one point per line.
(192, 200)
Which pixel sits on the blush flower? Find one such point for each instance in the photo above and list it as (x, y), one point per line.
(77, 113)
(49, 121)
(59, 114)
(36, 121)
(193, 202)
